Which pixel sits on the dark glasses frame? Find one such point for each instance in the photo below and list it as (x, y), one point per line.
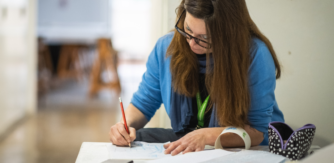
(188, 36)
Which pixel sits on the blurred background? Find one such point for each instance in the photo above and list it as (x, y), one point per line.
(64, 63)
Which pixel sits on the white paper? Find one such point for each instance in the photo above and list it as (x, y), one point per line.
(248, 156)
(194, 157)
(138, 151)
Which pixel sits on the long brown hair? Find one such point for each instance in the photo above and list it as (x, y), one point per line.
(230, 30)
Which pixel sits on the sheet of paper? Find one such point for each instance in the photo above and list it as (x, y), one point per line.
(249, 156)
(257, 148)
(139, 150)
(93, 152)
(194, 157)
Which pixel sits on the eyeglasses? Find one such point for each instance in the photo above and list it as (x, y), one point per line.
(200, 42)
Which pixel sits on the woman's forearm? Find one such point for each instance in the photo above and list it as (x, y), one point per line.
(135, 118)
(231, 139)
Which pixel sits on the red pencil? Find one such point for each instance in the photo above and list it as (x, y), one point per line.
(124, 120)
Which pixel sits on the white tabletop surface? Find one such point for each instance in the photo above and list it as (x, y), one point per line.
(93, 152)
(97, 152)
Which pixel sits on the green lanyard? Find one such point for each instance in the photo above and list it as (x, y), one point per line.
(201, 109)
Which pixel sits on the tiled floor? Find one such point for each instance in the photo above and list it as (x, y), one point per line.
(65, 119)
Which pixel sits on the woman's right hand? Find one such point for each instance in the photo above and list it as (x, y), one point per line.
(119, 136)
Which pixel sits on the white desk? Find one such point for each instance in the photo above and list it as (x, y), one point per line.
(93, 152)
(97, 152)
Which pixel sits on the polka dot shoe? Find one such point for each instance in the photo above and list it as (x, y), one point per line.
(288, 143)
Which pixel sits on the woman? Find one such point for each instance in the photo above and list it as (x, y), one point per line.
(216, 55)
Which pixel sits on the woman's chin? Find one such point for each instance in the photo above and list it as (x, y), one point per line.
(196, 51)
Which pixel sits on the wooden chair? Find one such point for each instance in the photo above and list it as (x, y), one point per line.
(69, 62)
(104, 71)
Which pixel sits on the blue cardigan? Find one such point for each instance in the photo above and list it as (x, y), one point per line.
(155, 87)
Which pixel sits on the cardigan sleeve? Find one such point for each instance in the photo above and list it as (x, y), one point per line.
(148, 96)
(262, 83)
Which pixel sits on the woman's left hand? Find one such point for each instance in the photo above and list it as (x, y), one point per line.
(192, 142)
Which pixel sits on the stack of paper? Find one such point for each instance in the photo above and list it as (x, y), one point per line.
(219, 156)
(249, 156)
(194, 156)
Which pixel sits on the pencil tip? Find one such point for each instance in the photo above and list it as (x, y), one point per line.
(120, 99)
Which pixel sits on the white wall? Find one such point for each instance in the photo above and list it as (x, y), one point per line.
(301, 32)
(163, 17)
(131, 28)
(17, 61)
(73, 20)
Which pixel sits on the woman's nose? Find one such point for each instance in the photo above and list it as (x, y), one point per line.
(192, 42)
